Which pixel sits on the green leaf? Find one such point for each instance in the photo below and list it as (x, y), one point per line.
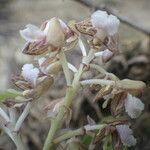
(87, 140)
(10, 93)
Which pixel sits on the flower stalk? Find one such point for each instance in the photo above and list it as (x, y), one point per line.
(64, 63)
(56, 36)
(57, 122)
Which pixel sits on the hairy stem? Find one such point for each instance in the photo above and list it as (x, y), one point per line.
(98, 81)
(57, 122)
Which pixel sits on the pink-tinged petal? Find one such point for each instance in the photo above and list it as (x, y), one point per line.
(133, 106)
(30, 73)
(126, 136)
(32, 33)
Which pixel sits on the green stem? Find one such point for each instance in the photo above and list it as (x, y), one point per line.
(80, 131)
(69, 134)
(56, 123)
(14, 137)
(64, 63)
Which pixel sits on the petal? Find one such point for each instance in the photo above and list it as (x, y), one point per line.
(99, 19)
(32, 33)
(109, 23)
(30, 73)
(126, 136)
(112, 25)
(133, 106)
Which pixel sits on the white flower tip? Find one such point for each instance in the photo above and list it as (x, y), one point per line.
(133, 106)
(109, 23)
(126, 136)
(30, 73)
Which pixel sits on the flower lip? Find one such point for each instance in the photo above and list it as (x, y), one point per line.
(126, 136)
(109, 23)
(30, 73)
(133, 106)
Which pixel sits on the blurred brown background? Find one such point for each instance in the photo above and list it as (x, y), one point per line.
(132, 62)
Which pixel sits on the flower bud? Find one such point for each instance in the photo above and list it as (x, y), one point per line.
(128, 84)
(49, 67)
(54, 33)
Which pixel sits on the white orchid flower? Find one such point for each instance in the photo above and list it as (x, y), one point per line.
(126, 136)
(133, 106)
(53, 32)
(30, 73)
(108, 23)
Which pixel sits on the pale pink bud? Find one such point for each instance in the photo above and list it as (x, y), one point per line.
(54, 31)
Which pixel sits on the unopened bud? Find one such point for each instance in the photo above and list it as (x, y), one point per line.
(54, 68)
(128, 84)
(55, 33)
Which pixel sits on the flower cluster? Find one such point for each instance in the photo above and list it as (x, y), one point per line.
(48, 45)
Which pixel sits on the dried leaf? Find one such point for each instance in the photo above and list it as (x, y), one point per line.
(36, 48)
(105, 90)
(100, 135)
(117, 103)
(85, 27)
